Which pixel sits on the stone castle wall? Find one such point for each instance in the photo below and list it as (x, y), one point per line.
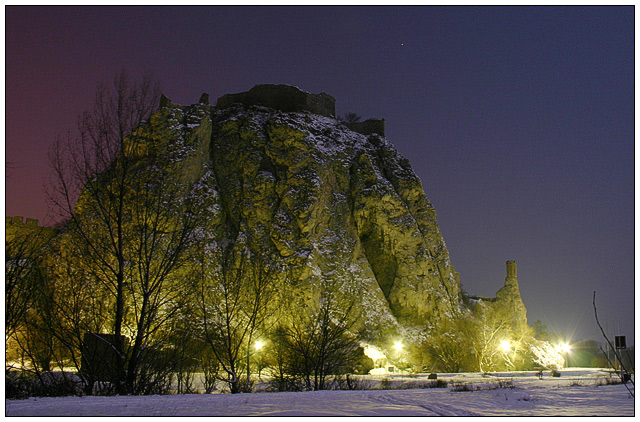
(19, 227)
(19, 222)
(512, 271)
(289, 98)
(368, 127)
(282, 97)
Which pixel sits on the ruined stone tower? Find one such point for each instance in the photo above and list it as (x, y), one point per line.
(508, 298)
(512, 271)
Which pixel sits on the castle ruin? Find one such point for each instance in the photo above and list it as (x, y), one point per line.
(289, 98)
(286, 98)
(368, 127)
(18, 227)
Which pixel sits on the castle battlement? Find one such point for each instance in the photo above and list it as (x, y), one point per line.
(18, 221)
(19, 227)
(368, 127)
(286, 98)
(289, 98)
(512, 271)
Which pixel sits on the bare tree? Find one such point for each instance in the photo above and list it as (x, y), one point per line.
(45, 339)
(103, 150)
(25, 296)
(236, 292)
(9, 168)
(21, 278)
(497, 341)
(162, 232)
(623, 369)
(73, 303)
(489, 331)
(316, 342)
(448, 346)
(129, 218)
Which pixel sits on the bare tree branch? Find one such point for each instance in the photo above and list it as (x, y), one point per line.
(595, 311)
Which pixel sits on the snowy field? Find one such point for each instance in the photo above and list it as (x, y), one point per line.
(578, 392)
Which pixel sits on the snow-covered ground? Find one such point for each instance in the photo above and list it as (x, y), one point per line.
(578, 392)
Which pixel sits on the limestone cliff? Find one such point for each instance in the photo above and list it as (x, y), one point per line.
(325, 202)
(327, 206)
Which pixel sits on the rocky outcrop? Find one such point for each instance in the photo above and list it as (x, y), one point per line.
(508, 298)
(508, 302)
(327, 205)
(327, 210)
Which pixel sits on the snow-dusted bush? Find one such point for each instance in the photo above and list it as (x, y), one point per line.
(545, 355)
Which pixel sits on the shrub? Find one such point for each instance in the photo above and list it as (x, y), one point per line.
(437, 384)
(349, 383)
(386, 384)
(286, 383)
(457, 387)
(17, 385)
(500, 384)
(56, 384)
(424, 384)
(608, 381)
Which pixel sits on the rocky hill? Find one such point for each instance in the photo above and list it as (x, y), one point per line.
(264, 217)
(327, 205)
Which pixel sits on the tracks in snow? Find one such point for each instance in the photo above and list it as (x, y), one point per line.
(439, 409)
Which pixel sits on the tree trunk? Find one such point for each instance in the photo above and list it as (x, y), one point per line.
(134, 360)
(119, 341)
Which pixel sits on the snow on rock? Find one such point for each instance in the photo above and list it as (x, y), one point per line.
(326, 203)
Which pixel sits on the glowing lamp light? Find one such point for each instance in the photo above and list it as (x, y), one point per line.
(373, 352)
(506, 346)
(563, 348)
(398, 346)
(259, 345)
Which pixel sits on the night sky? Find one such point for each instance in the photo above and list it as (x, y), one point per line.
(519, 121)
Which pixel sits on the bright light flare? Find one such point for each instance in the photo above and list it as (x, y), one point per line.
(398, 346)
(506, 346)
(563, 348)
(373, 352)
(259, 345)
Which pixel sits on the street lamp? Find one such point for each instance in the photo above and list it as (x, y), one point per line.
(398, 346)
(505, 345)
(259, 345)
(564, 349)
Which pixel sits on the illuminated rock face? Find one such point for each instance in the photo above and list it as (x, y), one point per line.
(508, 298)
(327, 205)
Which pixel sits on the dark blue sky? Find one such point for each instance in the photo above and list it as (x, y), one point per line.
(519, 120)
